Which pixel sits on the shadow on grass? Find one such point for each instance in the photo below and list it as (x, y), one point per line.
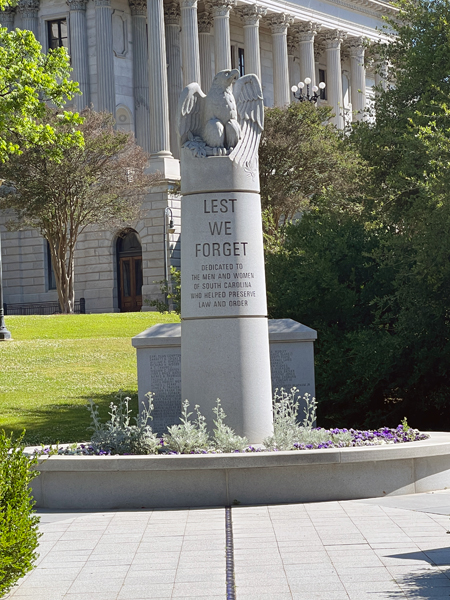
(64, 423)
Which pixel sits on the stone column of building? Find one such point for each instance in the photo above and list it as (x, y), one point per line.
(358, 77)
(251, 15)
(206, 50)
(294, 73)
(138, 10)
(106, 91)
(29, 10)
(189, 42)
(380, 68)
(7, 17)
(79, 51)
(174, 74)
(333, 41)
(319, 50)
(306, 34)
(279, 25)
(161, 158)
(222, 46)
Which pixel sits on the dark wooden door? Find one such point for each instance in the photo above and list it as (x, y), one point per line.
(130, 268)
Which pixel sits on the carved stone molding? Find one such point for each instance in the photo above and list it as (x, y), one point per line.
(251, 14)
(279, 23)
(345, 54)
(138, 8)
(172, 14)
(102, 3)
(367, 6)
(319, 48)
(188, 3)
(334, 39)
(7, 17)
(205, 21)
(221, 8)
(77, 5)
(292, 43)
(306, 31)
(28, 8)
(356, 47)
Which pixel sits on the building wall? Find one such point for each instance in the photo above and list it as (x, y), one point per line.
(24, 253)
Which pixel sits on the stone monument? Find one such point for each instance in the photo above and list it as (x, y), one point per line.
(224, 334)
(158, 351)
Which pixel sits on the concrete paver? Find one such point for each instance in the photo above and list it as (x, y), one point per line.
(380, 548)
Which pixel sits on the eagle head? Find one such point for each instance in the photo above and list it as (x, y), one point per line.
(226, 78)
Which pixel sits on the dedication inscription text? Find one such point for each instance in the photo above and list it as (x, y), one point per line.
(224, 275)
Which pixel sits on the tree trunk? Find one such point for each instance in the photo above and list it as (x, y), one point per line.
(62, 259)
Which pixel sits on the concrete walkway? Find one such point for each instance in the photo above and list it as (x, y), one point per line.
(384, 548)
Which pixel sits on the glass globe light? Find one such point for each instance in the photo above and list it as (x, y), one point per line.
(307, 80)
(322, 85)
(315, 88)
(301, 85)
(294, 88)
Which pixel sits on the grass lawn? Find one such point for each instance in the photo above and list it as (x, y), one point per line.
(55, 363)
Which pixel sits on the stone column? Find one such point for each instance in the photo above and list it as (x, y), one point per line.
(206, 50)
(140, 72)
(380, 72)
(333, 41)
(174, 82)
(294, 75)
(306, 34)
(189, 42)
(251, 15)
(279, 25)
(222, 46)
(28, 10)
(161, 157)
(319, 49)
(7, 17)
(105, 57)
(79, 51)
(358, 77)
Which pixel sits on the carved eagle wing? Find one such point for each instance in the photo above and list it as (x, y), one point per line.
(190, 107)
(250, 107)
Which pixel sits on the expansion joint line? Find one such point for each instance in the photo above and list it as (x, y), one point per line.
(231, 592)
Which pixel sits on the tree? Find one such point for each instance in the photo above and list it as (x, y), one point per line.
(28, 78)
(302, 156)
(99, 183)
(376, 284)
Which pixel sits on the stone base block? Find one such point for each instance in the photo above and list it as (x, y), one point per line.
(158, 349)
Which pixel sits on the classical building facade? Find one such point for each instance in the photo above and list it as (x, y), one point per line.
(132, 58)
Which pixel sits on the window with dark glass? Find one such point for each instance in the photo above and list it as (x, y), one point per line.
(322, 77)
(57, 33)
(241, 64)
(51, 279)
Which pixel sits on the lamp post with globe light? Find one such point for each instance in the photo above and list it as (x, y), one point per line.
(4, 333)
(299, 95)
(167, 231)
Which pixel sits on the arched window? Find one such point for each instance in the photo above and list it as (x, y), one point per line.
(129, 258)
(124, 119)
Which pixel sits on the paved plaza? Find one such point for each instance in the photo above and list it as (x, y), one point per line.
(383, 548)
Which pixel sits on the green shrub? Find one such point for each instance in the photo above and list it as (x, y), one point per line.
(18, 524)
(118, 436)
(189, 436)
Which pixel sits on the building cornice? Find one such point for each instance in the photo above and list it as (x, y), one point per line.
(375, 8)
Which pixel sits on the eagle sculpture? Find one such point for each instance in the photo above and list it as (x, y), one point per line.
(227, 121)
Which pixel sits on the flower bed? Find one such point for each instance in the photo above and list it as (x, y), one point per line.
(357, 438)
(221, 479)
